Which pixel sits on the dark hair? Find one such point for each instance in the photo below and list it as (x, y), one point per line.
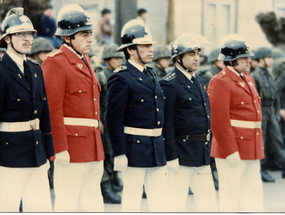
(141, 11)
(105, 11)
(126, 53)
(234, 63)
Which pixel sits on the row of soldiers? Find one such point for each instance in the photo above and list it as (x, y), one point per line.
(162, 134)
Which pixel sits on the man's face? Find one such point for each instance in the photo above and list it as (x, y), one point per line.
(82, 41)
(164, 62)
(144, 16)
(269, 61)
(145, 51)
(243, 65)
(114, 62)
(22, 42)
(191, 59)
(107, 15)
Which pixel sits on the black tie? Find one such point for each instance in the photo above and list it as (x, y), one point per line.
(195, 82)
(84, 62)
(27, 73)
(147, 73)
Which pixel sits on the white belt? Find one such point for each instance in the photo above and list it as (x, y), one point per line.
(81, 122)
(20, 126)
(143, 131)
(245, 124)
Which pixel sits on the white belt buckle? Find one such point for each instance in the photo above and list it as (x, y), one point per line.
(34, 124)
(156, 132)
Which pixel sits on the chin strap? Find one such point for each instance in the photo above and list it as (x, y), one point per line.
(265, 63)
(138, 53)
(11, 43)
(181, 64)
(108, 64)
(38, 59)
(70, 44)
(217, 66)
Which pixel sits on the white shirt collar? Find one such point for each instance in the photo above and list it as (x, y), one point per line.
(18, 60)
(234, 71)
(187, 74)
(73, 51)
(139, 67)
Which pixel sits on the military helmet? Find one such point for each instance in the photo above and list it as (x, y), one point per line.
(187, 42)
(263, 52)
(14, 22)
(277, 53)
(41, 45)
(233, 47)
(213, 56)
(72, 19)
(161, 52)
(110, 52)
(135, 32)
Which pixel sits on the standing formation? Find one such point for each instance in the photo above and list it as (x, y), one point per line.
(130, 128)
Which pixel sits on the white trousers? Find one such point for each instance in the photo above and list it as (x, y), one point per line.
(77, 187)
(153, 179)
(202, 186)
(30, 184)
(240, 188)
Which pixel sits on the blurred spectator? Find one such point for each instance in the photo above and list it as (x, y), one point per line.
(49, 28)
(2, 51)
(40, 49)
(104, 31)
(161, 56)
(142, 14)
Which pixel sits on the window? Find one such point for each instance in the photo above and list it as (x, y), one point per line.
(219, 21)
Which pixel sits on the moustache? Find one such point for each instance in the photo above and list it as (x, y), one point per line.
(26, 43)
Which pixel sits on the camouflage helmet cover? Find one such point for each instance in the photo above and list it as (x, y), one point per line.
(161, 52)
(110, 52)
(277, 53)
(41, 45)
(263, 52)
(213, 56)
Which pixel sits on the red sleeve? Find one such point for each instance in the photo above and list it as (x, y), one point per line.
(55, 81)
(220, 99)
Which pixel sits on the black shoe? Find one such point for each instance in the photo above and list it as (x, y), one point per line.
(144, 194)
(109, 195)
(265, 177)
(117, 183)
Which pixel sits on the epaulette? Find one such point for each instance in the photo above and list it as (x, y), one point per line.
(33, 61)
(121, 68)
(170, 76)
(54, 53)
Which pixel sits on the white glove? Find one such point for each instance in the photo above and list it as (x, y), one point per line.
(233, 160)
(62, 158)
(120, 163)
(173, 165)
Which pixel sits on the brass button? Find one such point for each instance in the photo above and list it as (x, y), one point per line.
(142, 100)
(224, 72)
(190, 99)
(37, 143)
(158, 122)
(94, 86)
(76, 134)
(138, 141)
(208, 116)
(188, 86)
(157, 109)
(140, 79)
(96, 113)
(80, 91)
(254, 101)
(7, 143)
(206, 143)
(18, 100)
(163, 138)
(258, 111)
(257, 133)
(204, 104)
(184, 140)
(94, 99)
(35, 112)
(241, 138)
(155, 97)
(242, 103)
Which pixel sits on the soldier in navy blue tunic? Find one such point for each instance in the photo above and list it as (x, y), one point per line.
(187, 127)
(134, 119)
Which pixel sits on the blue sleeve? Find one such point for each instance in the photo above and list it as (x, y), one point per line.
(117, 100)
(168, 131)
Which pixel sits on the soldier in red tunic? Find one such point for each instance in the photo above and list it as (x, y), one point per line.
(237, 144)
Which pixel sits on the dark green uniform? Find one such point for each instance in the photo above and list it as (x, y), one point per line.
(271, 134)
(215, 70)
(160, 73)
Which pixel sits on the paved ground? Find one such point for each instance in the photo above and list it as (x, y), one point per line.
(273, 198)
